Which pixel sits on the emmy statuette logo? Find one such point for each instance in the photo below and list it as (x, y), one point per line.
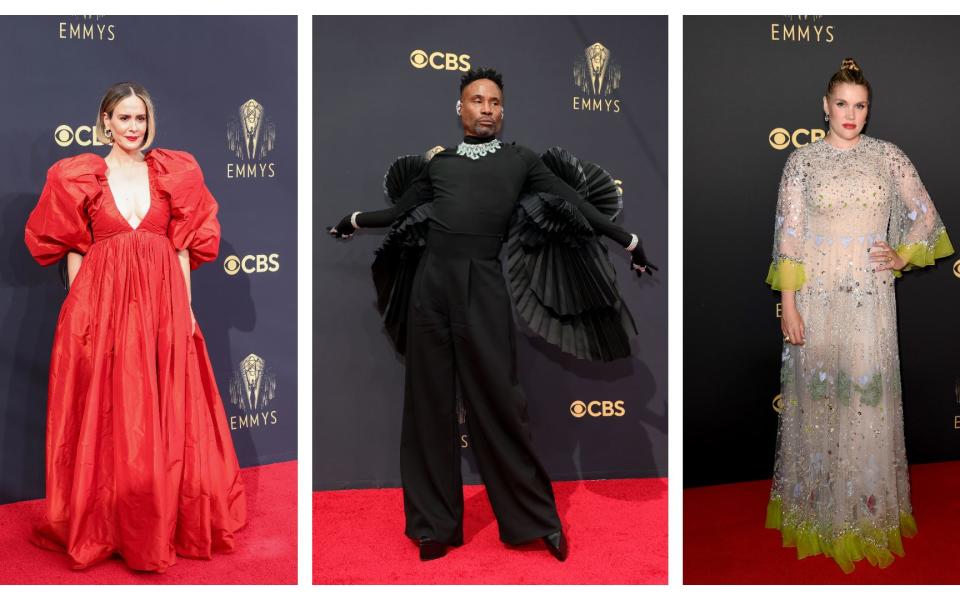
(253, 387)
(781, 139)
(597, 408)
(778, 403)
(86, 27)
(81, 135)
(440, 61)
(252, 263)
(598, 77)
(251, 137)
(805, 29)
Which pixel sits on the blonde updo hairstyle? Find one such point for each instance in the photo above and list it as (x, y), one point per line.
(850, 72)
(113, 96)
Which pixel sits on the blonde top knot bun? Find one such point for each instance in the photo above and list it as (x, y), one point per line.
(849, 64)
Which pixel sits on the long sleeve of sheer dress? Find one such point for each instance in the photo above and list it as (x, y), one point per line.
(420, 191)
(786, 269)
(916, 231)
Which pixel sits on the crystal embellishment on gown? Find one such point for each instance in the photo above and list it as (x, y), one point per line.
(475, 151)
(840, 485)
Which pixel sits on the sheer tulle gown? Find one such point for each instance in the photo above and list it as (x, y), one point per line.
(139, 458)
(840, 484)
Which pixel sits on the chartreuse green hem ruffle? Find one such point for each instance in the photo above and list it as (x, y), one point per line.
(877, 545)
(920, 254)
(786, 275)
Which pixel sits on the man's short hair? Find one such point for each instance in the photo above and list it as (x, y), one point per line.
(481, 73)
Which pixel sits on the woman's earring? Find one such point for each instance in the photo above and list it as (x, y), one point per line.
(459, 106)
(108, 133)
(826, 118)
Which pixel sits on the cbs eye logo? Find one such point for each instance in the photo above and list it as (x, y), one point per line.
(441, 61)
(781, 138)
(597, 408)
(64, 135)
(956, 268)
(778, 403)
(252, 263)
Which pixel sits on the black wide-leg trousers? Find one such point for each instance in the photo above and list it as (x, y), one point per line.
(460, 327)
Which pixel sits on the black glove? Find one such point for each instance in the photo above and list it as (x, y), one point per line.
(639, 262)
(343, 230)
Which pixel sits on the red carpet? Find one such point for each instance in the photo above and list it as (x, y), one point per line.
(617, 531)
(266, 548)
(724, 540)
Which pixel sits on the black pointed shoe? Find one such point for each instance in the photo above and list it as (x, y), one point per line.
(431, 549)
(557, 545)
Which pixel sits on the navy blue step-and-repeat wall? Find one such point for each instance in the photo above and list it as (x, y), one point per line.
(387, 86)
(753, 89)
(207, 76)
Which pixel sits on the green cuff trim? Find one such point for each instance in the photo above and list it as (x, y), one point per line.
(921, 254)
(786, 275)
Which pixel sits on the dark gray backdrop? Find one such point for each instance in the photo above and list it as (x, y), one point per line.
(371, 104)
(744, 77)
(199, 71)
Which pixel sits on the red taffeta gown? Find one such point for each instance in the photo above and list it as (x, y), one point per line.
(139, 456)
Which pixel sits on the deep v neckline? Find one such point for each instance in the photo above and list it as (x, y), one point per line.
(113, 199)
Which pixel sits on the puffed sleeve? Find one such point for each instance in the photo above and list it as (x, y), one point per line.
(786, 271)
(193, 209)
(916, 232)
(59, 223)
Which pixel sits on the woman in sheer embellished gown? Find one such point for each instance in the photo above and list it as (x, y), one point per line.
(852, 215)
(139, 459)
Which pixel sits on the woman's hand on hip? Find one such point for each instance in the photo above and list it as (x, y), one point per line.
(885, 258)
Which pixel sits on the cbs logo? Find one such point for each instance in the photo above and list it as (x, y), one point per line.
(778, 403)
(597, 408)
(441, 61)
(252, 263)
(64, 135)
(780, 138)
(956, 268)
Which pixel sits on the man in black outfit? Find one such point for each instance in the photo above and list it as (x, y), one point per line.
(460, 328)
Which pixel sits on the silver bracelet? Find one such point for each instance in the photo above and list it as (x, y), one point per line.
(634, 241)
(353, 219)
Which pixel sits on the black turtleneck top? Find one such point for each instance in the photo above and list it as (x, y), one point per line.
(477, 197)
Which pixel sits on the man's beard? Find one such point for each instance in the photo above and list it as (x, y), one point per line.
(484, 130)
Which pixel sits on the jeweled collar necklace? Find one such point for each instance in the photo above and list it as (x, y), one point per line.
(474, 150)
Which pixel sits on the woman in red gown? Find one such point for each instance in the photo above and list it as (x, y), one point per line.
(139, 456)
